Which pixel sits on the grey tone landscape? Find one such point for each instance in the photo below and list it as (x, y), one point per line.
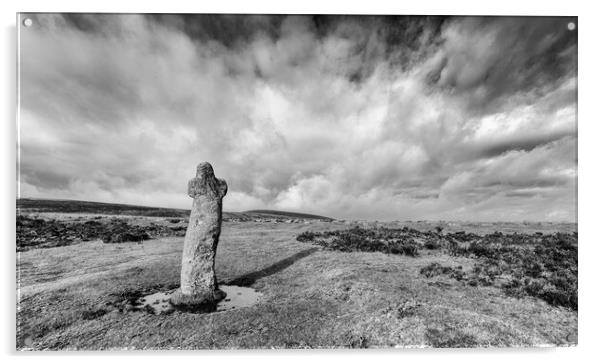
(384, 182)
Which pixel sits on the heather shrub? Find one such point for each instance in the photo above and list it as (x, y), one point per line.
(432, 243)
(436, 269)
(538, 265)
(306, 236)
(356, 239)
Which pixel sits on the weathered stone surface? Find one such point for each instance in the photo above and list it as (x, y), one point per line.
(198, 286)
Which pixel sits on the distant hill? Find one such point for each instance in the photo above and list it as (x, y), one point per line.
(286, 214)
(89, 207)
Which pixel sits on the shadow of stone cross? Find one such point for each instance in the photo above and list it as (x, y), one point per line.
(250, 278)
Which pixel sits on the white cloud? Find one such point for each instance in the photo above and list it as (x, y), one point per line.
(125, 112)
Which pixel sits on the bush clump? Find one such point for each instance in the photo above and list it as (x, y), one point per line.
(433, 243)
(436, 269)
(306, 236)
(388, 241)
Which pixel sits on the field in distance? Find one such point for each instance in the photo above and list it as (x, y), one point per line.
(31, 205)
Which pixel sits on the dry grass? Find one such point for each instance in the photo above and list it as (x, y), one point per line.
(77, 297)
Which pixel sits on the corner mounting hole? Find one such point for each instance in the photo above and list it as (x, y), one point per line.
(28, 22)
(571, 26)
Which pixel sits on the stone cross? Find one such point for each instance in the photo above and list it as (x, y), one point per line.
(198, 285)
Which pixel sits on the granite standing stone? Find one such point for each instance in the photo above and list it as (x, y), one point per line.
(198, 286)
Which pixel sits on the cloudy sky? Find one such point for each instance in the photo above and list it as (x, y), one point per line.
(352, 117)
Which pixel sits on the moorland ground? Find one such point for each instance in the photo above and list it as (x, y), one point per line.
(79, 295)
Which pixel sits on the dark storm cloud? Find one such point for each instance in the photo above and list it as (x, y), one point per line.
(505, 56)
(379, 117)
(229, 29)
(401, 40)
(525, 143)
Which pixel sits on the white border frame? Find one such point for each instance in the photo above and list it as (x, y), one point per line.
(588, 148)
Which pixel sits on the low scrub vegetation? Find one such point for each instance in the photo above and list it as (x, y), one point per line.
(389, 241)
(538, 265)
(47, 233)
(542, 266)
(436, 269)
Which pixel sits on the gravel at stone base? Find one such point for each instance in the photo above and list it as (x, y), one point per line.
(236, 297)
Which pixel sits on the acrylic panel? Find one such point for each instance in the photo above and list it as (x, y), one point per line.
(207, 181)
